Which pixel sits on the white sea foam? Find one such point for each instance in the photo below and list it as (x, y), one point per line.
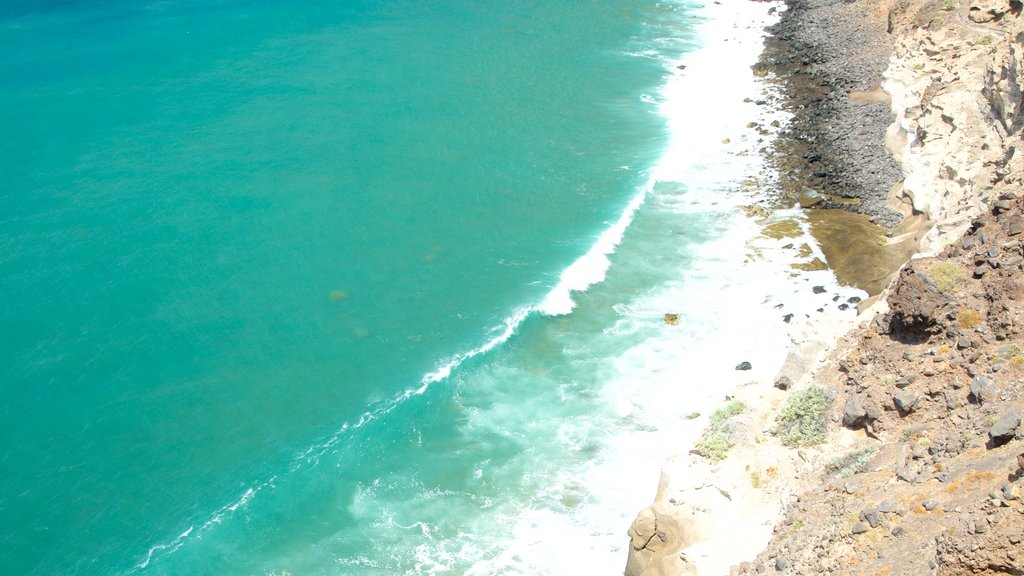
(725, 294)
(591, 268)
(648, 375)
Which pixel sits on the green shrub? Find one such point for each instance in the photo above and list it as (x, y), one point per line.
(802, 420)
(731, 408)
(945, 275)
(714, 443)
(849, 464)
(984, 40)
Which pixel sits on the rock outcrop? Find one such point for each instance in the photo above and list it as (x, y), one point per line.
(923, 472)
(932, 389)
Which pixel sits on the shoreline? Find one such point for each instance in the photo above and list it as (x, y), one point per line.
(711, 516)
(748, 511)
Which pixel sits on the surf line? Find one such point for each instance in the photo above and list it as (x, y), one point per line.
(584, 272)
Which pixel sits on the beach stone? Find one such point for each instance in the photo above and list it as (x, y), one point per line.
(854, 412)
(930, 504)
(861, 527)
(744, 366)
(781, 565)
(818, 289)
(1005, 428)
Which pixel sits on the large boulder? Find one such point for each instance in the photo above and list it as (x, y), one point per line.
(854, 412)
(917, 309)
(1005, 428)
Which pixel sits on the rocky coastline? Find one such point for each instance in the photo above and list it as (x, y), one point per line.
(905, 144)
(829, 57)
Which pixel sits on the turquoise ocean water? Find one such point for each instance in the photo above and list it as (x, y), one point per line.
(288, 288)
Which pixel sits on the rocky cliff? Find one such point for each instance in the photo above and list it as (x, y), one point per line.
(921, 467)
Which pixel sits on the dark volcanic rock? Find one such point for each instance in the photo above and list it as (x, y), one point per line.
(840, 139)
(917, 309)
(854, 413)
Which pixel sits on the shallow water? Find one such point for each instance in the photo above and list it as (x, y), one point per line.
(369, 287)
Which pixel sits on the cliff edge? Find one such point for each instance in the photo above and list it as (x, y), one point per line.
(897, 447)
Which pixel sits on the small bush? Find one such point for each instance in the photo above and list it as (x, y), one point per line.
(731, 408)
(714, 443)
(948, 5)
(984, 40)
(802, 420)
(849, 464)
(969, 318)
(945, 275)
(755, 479)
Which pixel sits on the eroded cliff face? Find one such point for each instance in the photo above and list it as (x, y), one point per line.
(955, 82)
(922, 471)
(929, 394)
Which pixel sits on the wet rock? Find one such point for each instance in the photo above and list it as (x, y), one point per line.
(818, 289)
(671, 318)
(744, 366)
